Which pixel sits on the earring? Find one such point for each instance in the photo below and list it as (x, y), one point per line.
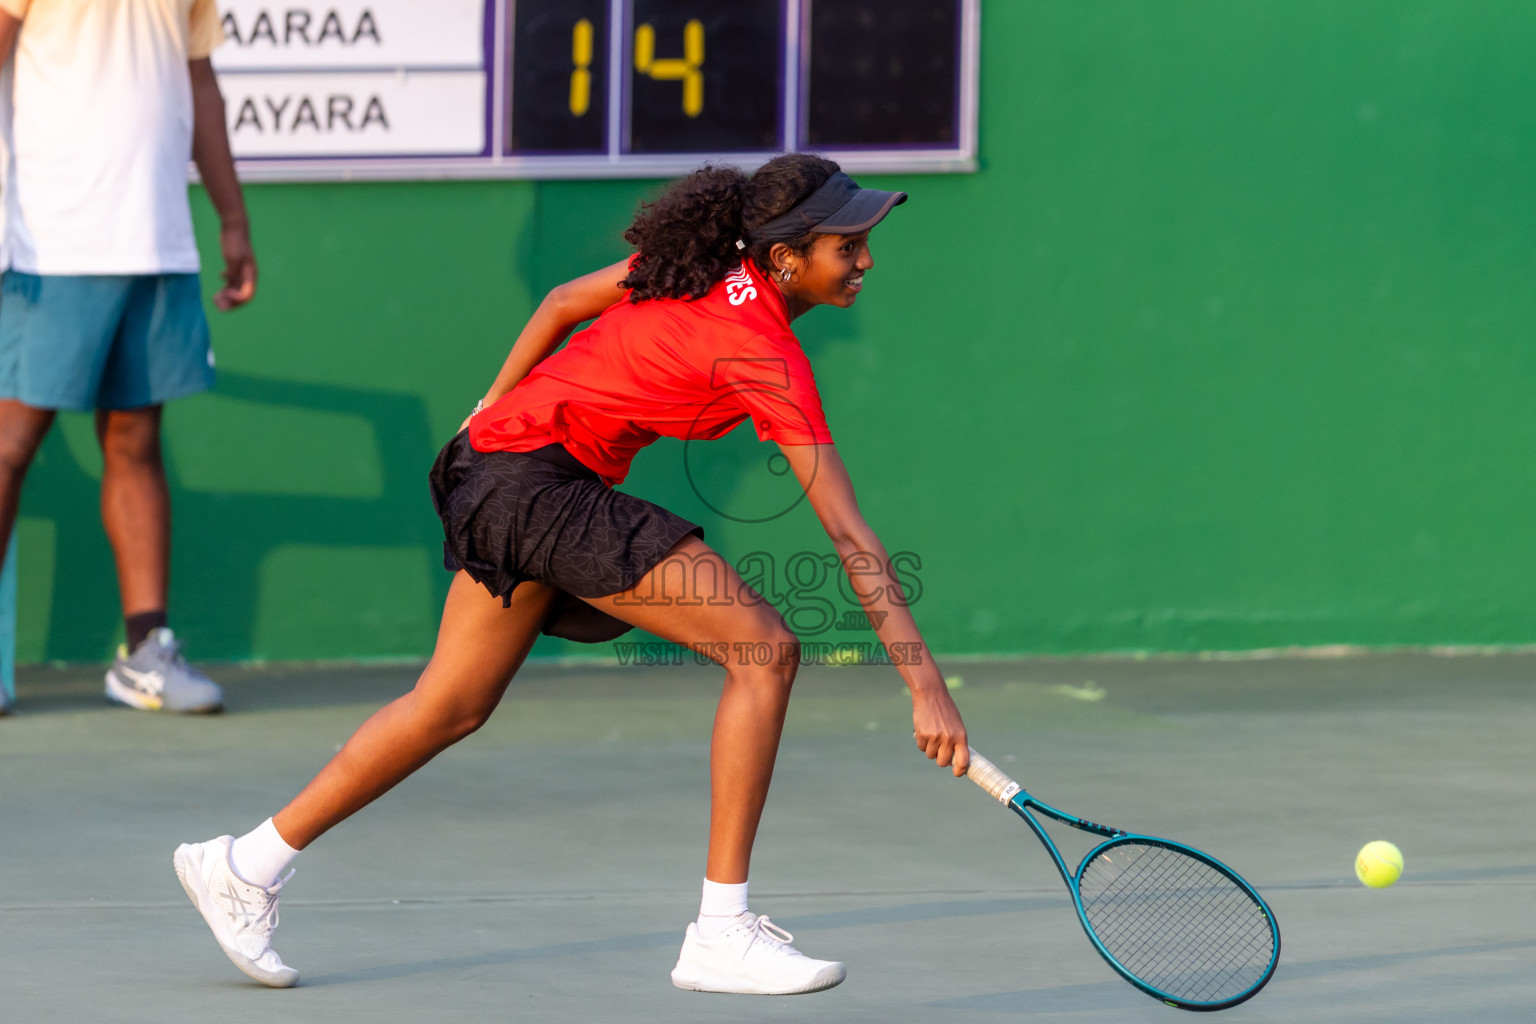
(784, 275)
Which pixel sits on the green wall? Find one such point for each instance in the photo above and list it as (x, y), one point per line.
(1229, 344)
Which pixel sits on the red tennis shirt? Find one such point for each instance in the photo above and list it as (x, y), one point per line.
(664, 368)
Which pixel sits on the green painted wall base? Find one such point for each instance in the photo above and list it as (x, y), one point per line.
(1228, 345)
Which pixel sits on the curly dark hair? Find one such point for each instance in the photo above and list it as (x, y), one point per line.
(686, 237)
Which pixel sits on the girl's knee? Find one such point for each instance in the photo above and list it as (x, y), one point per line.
(771, 656)
(789, 653)
(451, 721)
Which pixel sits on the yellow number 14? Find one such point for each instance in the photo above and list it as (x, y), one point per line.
(688, 70)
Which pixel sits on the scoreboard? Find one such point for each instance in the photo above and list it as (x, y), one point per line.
(374, 89)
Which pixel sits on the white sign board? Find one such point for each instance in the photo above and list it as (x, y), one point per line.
(366, 78)
(366, 34)
(360, 113)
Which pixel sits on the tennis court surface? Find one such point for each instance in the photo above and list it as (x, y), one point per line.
(544, 869)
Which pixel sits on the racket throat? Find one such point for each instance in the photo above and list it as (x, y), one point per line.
(1023, 802)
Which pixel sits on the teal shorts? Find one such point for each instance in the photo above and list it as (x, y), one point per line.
(102, 341)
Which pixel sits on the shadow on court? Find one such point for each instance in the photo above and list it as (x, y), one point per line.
(224, 537)
(543, 870)
(942, 910)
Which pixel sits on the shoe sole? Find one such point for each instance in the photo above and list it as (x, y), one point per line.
(124, 694)
(187, 861)
(828, 977)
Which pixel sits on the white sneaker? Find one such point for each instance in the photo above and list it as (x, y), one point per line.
(242, 916)
(752, 957)
(155, 677)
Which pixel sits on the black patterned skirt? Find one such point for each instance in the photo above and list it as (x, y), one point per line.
(510, 517)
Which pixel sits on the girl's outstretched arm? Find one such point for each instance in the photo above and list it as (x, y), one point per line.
(565, 308)
(936, 721)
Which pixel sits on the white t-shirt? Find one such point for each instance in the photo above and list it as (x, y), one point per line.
(96, 134)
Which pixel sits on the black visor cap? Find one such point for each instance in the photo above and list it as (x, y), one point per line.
(838, 207)
(864, 210)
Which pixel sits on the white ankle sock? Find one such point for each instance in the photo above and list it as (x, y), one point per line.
(261, 855)
(722, 903)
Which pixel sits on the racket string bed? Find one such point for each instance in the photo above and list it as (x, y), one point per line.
(1176, 922)
(1196, 941)
(1201, 944)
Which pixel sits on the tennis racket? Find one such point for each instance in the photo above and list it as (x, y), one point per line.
(1177, 923)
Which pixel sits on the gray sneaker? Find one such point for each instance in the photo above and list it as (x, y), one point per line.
(155, 677)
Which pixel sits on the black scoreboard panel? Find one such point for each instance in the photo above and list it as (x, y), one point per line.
(706, 76)
(559, 101)
(595, 86)
(883, 73)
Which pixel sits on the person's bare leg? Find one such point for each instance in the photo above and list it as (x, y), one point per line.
(725, 619)
(136, 505)
(22, 429)
(750, 716)
(743, 747)
(480, 645)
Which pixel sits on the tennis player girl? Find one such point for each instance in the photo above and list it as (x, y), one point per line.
(692, 337)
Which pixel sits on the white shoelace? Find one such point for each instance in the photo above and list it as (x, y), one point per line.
(765, 930)
(270, 911)
(267, 919)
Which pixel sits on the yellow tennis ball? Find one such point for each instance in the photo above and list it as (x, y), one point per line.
(1379, 864)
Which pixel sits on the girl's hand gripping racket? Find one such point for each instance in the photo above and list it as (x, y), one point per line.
(1176, 923)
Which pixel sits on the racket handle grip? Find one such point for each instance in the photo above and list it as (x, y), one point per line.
(991, 778)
